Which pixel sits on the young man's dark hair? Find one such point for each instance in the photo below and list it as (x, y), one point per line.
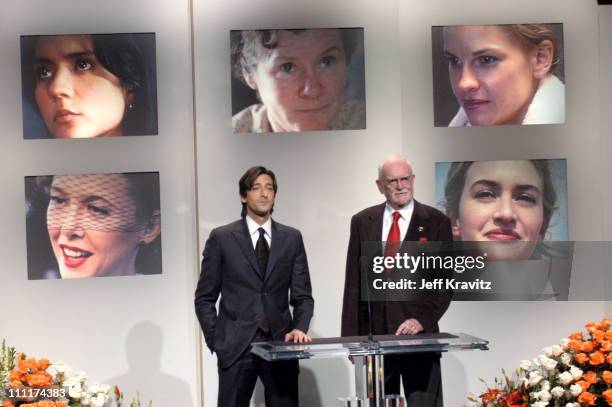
(248, 179)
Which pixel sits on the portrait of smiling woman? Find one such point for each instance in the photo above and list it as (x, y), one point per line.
(511, 204)
(488, 75)
(93, 225)
(85, 86)
(297, 80)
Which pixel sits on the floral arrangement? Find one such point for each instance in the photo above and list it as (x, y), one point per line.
(574, 373)
(61, 388)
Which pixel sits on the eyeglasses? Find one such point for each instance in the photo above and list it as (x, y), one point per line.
(397, 182)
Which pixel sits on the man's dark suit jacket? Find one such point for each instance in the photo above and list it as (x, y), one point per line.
(428, 224)
(229, 268)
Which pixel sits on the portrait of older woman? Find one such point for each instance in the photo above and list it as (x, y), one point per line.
(507, 74)
(297, 80)
(516, 204)
(93, 225)
(88, 85)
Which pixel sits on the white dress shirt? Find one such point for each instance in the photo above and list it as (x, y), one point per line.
(254, 230)
(403, 221)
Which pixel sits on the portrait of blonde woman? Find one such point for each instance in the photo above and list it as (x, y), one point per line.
(488, 75)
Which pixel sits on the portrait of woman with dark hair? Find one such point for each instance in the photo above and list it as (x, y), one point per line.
(93, 225)
(508, 202)
(88, 85)
(499, 74)
(297, 80)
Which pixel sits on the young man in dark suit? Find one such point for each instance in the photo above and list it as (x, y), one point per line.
(259, 268)
(400, 218)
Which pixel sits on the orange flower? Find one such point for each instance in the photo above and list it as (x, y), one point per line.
(598, 336)
(587, 347)
(608, 336)
(576, 336)
(607, 376)
(43, 364)
(575, 345)
(30, 364)
(597, 358)
(609, 358)
(15, 375)
(606, 346)
(584, 384)
(590, 377)
(607, 395)
(604, 324)
(16, 383)
(587, 398)
(591, 327)
(581, 358)
(41, 379)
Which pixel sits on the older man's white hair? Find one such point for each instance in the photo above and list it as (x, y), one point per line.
(391, 159)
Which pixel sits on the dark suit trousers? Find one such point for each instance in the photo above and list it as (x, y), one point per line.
(280, 380)
(421, 378)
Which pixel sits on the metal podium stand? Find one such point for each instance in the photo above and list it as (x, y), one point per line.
(368, 354)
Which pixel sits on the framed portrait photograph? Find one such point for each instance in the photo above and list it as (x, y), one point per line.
(498, 74)
(296, 80)
(513, 204)
(88, 85)
(93, 225)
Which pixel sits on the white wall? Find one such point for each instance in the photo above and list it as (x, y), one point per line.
(605, 94)
(325, 177)
(137, 332)
(115, 328)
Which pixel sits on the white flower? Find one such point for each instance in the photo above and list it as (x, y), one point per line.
(81, 376)
(99, 400)
(565, 378)
(540, 404)
(566, 359)
(564, 342)
(549, 364)
(76, 392)
(557, 392)
(526, 365)
(61, 368)
(534, 378)
(544, 395)
(556, 350)
(547, 351)
(575, 390)
(545, 385)
(572, 405)
(576, 372)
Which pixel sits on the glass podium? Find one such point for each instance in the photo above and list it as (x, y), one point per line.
(368, 354)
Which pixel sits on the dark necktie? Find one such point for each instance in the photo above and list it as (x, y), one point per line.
(262, 251)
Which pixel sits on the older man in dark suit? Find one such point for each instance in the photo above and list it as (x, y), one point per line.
(259, 268)
(400, 218)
